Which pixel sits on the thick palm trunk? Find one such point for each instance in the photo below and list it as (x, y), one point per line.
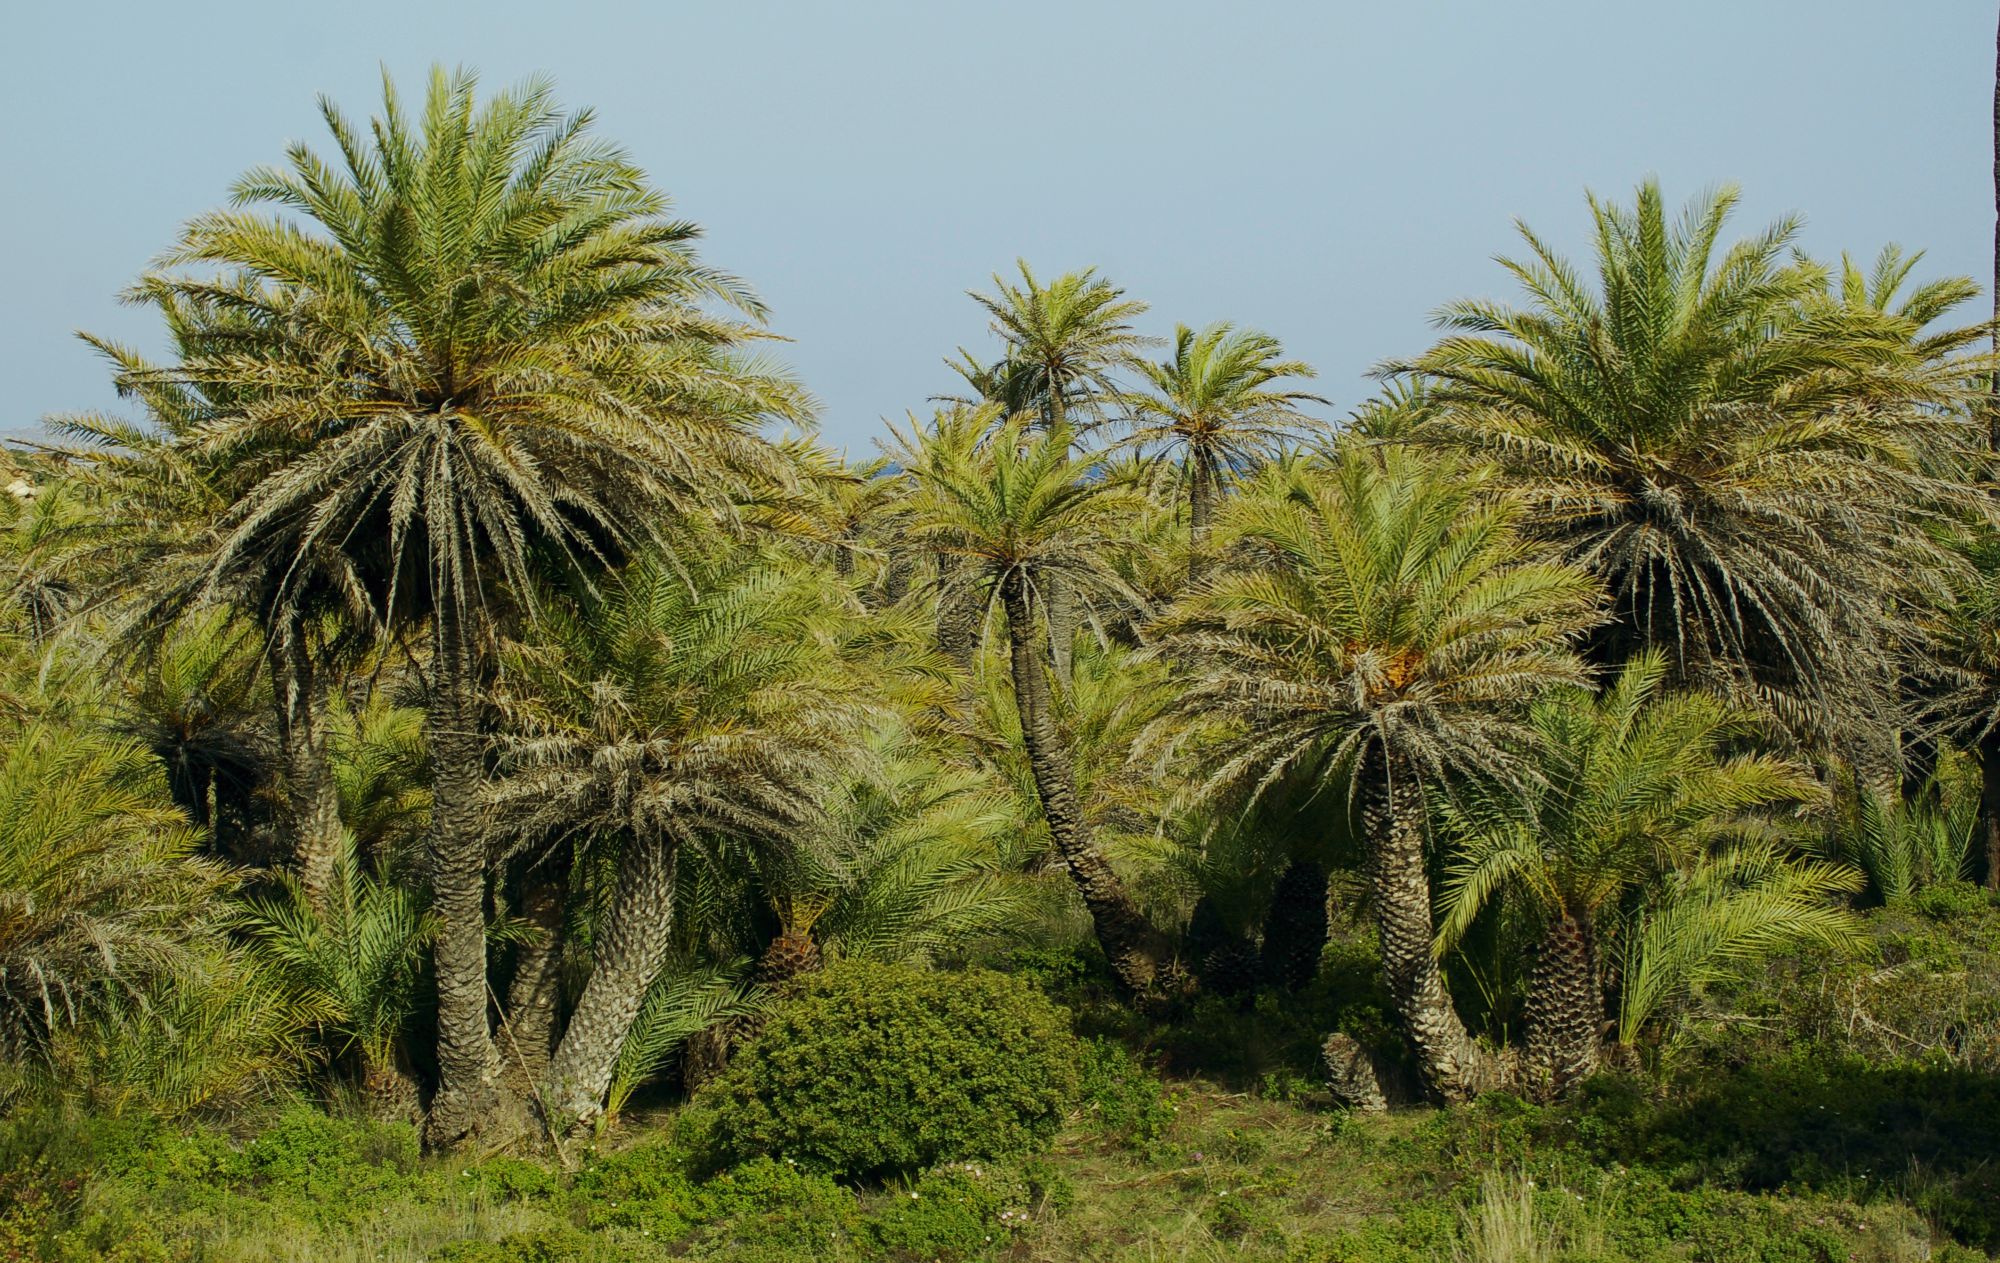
(469, 1099)
(1453, 1067)
(312, 798)
(1138, 953)
(1565, 1014)
(1065, 613)
(1201, 512)
(957, 615)
(528, 1036)
(629, 954)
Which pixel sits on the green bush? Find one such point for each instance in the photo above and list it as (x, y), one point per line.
(880, 1070)
(954, 1212)
(1121, 1097)
(647, 1188)
(776, 1210)
(545, 1245)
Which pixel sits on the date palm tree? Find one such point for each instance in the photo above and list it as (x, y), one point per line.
(475, 349)
(1378, 624)
(1216, 405)
(1629, 785)
(1746, 464)
(1017, 515)
(1065, 342)
(687, 701)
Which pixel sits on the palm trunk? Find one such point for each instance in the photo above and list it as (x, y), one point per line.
(1138, 953)
(1993, 371)
(469, 1096)
(312, 797)
(1453, 1067)
(1201, 510)
(957, 615)
(1065, 613)
(1988, 751)
(1565, 1014)
(528, 1037)
(629, 954)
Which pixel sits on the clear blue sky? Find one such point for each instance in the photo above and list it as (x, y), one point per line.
(1329, 172)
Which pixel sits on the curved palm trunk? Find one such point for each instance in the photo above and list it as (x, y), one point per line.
(528, 1036)
(1138, 953)
(629, 953)
(1453, 1067)
(1565, 1006)
(312, 798)
(470, 1097)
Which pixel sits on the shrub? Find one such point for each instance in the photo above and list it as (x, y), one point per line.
(953, 1212)
(646, 1187)
(778, 1211)
(880, 1070)
(1121, 1096)
(546, 1245)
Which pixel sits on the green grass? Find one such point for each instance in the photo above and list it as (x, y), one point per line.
(1192, 1171)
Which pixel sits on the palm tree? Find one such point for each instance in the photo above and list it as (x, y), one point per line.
(354, 959)
(951, 439)
(156, 492)
(101, 895)
(1629, 785)
(1064, 341)
(1744, 463)
(196, 701)
(689, 700)
(1019, 515)
(1378, 623)
(485, 354)
(1215, 405)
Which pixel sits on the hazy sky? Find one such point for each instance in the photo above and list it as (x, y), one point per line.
(1329, 172)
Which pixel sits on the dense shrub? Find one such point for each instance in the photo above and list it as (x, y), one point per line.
(1121, 1097)
(882, 1070)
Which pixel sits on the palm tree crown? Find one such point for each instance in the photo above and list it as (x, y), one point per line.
(1740, 458)
(1216, 403)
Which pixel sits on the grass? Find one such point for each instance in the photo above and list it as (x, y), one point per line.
(1226, 1175)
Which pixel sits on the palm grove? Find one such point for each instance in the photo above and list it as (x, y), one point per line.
(448, 689)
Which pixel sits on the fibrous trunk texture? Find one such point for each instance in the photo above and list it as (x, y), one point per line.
(1139, 955)
(629, 953)
(312, 798)
(1453, 1066)
(1565, 1007)
(528, 1036)
(470, 1102)
(1351, 1074)
(1201, 511)
(1295, 929)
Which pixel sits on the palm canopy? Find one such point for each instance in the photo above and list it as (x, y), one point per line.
(1022, 508)
(1629, 784)
(1217, 399)
(1382, 601)
(477, 336)
(1741, 458)
(1217, 404)
(707, 695)
(1064, 339)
